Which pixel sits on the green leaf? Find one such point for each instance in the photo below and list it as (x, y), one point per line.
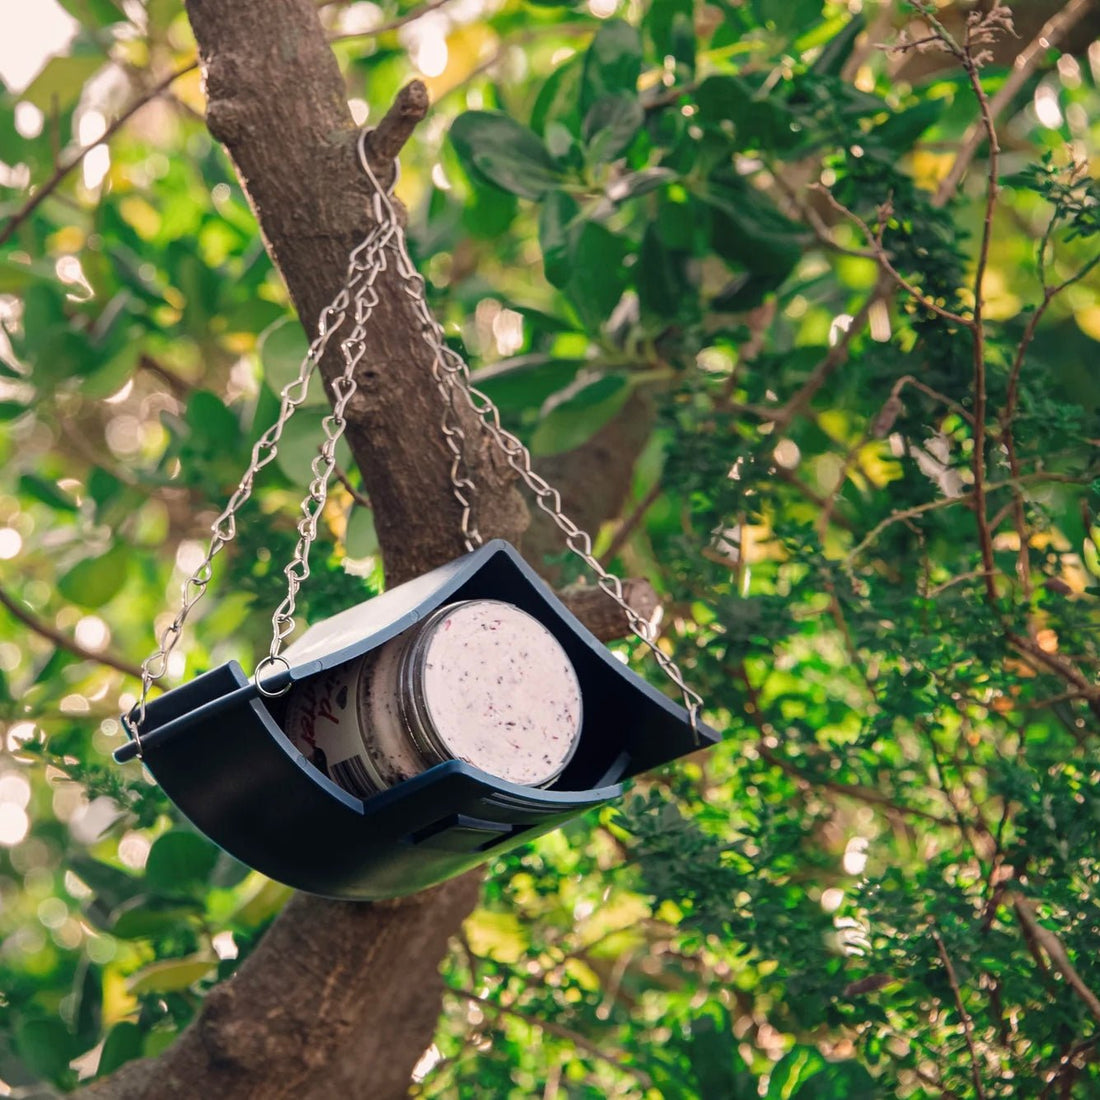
(58, 86)
(528, 384)
(576, 419)
(123, 1044)
(839, 1081)
(111, 375)
(93, 13)
(789, 17)
(47, 1046)
(172, 975)
(796, 1067)
(661, 279)
(719, 1068)
(228, 871)
(261, 904)
(559, 232)
(496, 148)
(613, 62)
(489, 211)
(111, 885)
(301, 441)
(900, 132)
(143, 917)
(749, 231)
(94, 582)
(361, 538)
(209, 419)
(88, 1007)
(634, 184)
(598, 277)
(103, 486)
(671, 25)
(283, 346)
(558, 100)
(610, 126)
(759, 120)
(559, 140)
(838, 49)
(746, 291)
(46, 492)
(179, 862)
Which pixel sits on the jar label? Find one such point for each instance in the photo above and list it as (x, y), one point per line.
(322, 720)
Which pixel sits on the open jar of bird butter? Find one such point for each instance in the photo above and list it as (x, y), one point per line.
(479, 681)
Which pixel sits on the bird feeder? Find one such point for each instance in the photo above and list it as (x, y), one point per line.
(218, 747)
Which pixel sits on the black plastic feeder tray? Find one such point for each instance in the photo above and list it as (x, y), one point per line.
(216, 748)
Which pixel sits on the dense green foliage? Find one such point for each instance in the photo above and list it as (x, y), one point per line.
(871, 509)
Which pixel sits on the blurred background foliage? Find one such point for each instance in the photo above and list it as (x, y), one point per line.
(669, 237)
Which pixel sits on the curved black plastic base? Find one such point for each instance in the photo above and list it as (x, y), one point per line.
(216, 748)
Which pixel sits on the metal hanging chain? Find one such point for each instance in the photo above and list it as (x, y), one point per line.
(359, 297)
(452, 376)
(365, 262)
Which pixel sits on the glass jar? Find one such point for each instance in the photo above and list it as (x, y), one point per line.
(479, 681)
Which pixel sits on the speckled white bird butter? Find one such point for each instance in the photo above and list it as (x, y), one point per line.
(479, 681)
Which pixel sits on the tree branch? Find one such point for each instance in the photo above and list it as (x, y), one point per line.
(1055, 951)
(1027, 61)
(62, 640)
(551, 1027)
(964, 1016)
(63, 170)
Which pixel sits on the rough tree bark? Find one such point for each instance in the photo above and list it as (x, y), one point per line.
(334, 985)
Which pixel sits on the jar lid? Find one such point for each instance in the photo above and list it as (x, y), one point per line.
(490, 685)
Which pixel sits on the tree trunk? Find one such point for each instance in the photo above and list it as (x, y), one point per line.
(338, 998)
(277, 100)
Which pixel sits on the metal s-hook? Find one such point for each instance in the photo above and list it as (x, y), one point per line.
(364, 161)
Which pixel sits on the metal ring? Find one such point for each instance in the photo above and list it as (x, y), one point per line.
(131, 727)
(365, 162)
(259, 686)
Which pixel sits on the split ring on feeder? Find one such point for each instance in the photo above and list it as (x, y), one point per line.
(271, 659)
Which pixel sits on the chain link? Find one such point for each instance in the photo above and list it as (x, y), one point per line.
(452, 377)
(365, 263)
(359, 297)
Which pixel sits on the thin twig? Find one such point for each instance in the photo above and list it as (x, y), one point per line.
(1055, 951)
(883, 258)
(869, 795)
(1012, 392)
(630, 524)
(968, 1026)
(180, 387)
(946, 502)
(381, 141)
(63, 641)
(835, 358)
(849, 790)
(1058, 665)
(1028, 60)
(985, 537)
(392, 25)
(63, 170)
(551, 1027)
(876, 428)
(357, 494)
